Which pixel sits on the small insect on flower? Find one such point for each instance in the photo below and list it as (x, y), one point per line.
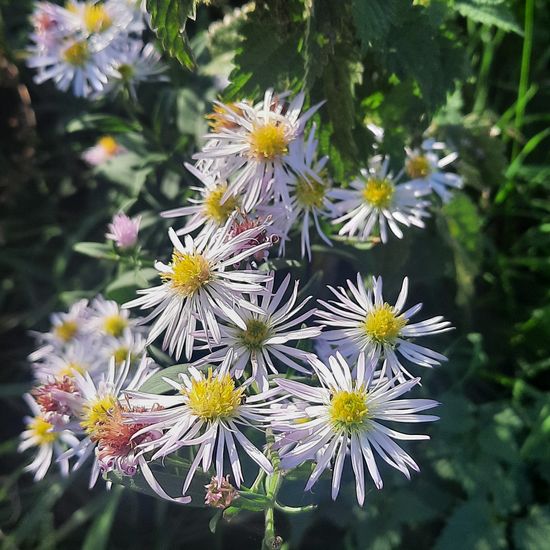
(105, 148)
(260, 340)
(425, 169)
(197, 285)
(377, 199)
(50, 440)
(254, 142)
(345, 415)
(366, 324)
(209, 410)
(124, 230)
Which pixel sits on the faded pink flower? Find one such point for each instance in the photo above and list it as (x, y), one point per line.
(105, 148)
(124, 230)
(220, 493)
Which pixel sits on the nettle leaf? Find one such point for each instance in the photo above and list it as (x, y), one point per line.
(168, 19)
(533, 532)
(495, 13)
(472, 525)
(373, 19)
(268, 56)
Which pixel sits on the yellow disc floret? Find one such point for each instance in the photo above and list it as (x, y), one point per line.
(108, 144)
(382, 324)
(96, 18)
(418, 167)
(255, 335)
(310, 193)
(378, 192)
(269, 141)
(42, 430)
(66, 330)
(212, 398)
(70, 369)
(189, 273)
(121, 354)
(114, 325)
(96, 413)
(217, 210)
(348, 409)
(77, 54)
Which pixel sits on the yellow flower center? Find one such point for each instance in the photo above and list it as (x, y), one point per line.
(255, 335)
(66, 330)
(120, 354)
(310, 193)
(378, 192)
(69, 370)
(126, 71)
(114, 325)
(348, 409)
(108, 144)
(383, 325)
(418, 167)
(213, 398)
(77, 54)
(215, 209)
(97, 413)
(96, 18)
(42, 430)
(189, 273)
(268, 142)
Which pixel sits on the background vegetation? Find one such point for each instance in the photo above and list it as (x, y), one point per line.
(476, 73)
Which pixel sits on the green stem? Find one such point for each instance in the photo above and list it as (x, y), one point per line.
(272, 485)
(524, 74)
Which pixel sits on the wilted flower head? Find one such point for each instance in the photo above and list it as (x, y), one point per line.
(124, 230)
(220, 493)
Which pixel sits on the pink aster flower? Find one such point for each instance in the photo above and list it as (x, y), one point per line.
(124, 230)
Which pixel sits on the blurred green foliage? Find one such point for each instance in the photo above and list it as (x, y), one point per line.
(476, 73)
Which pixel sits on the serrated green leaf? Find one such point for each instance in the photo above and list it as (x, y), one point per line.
(496, 14)
(533, 532)
(373, 19)
(168, 19)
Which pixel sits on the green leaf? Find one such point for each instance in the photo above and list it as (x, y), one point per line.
(472, 525)
(495, 13)
(533, 532)
(124, 287)
(168, 19)
(373, 19)
(97, 537)
(157, 385)
(96, 250)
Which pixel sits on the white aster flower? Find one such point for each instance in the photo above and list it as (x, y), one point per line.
(136, 63)
(129, 346)
(94, 402)
(108, 319)
(197, 285)
(65, 328)
(425, 169)
(73, 64)
(106, 148)
(309, 198)
(50, 441)
(363, 323)
(257, 339)
(254, 143)
(344, 415)
(210, 211)
(376, 199)
(208, 411)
